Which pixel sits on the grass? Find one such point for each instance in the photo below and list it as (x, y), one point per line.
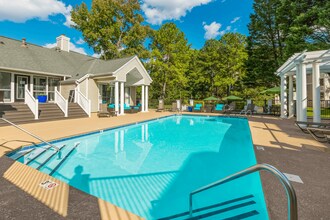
(325, 112)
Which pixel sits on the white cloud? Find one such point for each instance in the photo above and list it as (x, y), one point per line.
(157, 11)
(22, 10)
(228, 28)
(73, 47)
(96, 55)
(80, 41)
(235, 19)
(212, 30)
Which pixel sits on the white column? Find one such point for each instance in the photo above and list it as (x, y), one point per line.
(284, 100)
(31, 84)
(146, 99)
(122, 97)
(316, 93)
(12, 88)
(142, 133)
(290, 96)
(142, 99)
(116, 97)
(303, 92)
(298, 91)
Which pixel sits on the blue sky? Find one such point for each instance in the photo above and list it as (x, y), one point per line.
(42, 21)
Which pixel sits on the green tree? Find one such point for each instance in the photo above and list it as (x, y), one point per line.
(265, 43)
(221, 65)
(169, 61)
(112, 28)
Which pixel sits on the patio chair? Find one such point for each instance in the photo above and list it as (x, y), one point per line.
(303, 125)
(219, 108)
(229, 109)
(248, 109)
(103, 112)
(112, 110)
(160, 106)
(319, 134)
(128, 109)
(198, 108)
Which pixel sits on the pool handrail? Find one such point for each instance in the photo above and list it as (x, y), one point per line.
(290, 192)
(33, 135)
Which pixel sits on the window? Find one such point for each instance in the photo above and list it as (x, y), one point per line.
(5, 79)
(39, 86)
(52, 83)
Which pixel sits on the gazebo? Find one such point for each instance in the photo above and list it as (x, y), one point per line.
(297, 67)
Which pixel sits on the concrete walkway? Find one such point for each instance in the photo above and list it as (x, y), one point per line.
(284, 146)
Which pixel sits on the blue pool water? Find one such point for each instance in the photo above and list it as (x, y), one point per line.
(150, 168)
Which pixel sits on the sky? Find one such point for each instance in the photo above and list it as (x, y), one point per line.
(41, 21)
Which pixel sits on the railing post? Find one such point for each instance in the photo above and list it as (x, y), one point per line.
(36, 115)
(89, 107)
(66, 113)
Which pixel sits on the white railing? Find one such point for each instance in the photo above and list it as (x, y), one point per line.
(61, 102)
(31, 102)
(83, 102)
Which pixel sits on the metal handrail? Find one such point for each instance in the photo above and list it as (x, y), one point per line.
(33, 135)
(290, 193)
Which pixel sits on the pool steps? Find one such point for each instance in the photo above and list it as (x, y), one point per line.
(60, 162)
(245, 206)
(48, 159)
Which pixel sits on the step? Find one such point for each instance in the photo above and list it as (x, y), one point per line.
(230, 209)
(50, 153)
(35, 153)
(52, 165)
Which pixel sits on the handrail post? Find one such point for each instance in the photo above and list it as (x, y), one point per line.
(290, 192)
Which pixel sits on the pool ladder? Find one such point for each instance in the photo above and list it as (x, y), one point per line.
(290, 193)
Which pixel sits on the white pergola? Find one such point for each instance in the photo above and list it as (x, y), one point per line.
(298, 66)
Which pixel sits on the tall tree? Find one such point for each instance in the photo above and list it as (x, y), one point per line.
(169, 61)
(112, 28)
(265, 43)
(221, 64)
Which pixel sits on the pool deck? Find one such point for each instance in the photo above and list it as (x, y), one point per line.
(284, 146)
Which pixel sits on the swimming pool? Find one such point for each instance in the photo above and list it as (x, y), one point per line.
(150, 168)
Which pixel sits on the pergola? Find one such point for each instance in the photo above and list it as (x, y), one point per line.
(298, 66)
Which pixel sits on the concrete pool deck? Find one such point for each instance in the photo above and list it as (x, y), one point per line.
(284, 146)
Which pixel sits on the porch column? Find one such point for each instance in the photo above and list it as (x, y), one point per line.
(122, 98)
(12, 88)
(284, 100)
(290, 96)
(116, 97)
(146, 99)
(142, 99)
(301, 92)
(31, 84)
(316, 93)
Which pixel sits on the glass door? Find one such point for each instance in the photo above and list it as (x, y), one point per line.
(20, 86)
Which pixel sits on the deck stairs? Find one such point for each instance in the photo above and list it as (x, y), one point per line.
(19, 113)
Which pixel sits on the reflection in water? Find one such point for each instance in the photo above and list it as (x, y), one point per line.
(80, 179)
(121, 160)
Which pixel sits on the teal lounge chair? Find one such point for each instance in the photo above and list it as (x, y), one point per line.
(219, 108)
(198, 107)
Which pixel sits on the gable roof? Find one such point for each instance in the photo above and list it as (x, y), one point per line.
(39, 59)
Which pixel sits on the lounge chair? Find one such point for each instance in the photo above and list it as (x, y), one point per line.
(320, 134)
(303, 125)
(160, 106)
(219, 108)
(129, 109)
(248, 109)
(112, 110)
(198, 108)
(103, 111)
(229, 109)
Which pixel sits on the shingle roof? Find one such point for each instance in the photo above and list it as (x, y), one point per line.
(41, 59)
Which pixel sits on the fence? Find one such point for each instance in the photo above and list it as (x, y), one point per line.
(325, 108)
